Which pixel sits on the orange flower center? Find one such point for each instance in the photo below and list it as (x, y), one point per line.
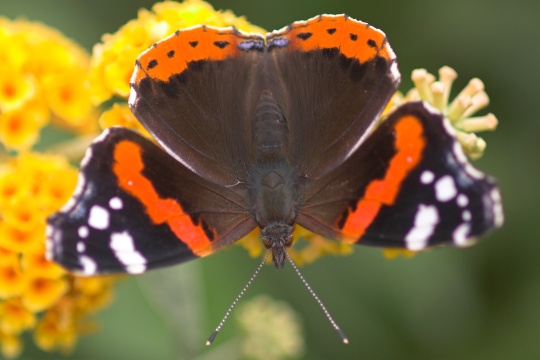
(66, 95)
(9, 274)
(15, 124)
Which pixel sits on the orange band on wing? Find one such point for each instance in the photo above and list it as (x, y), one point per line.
(127, 168)
(353, 38)
(409, 145)
(173, 54)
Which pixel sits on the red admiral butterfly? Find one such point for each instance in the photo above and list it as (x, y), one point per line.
(269, 131)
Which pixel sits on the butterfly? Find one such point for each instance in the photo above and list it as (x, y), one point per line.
(269, 131)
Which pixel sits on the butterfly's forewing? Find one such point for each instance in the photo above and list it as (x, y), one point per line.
(332, 76)
(197, 91)
(409, 185)
(136, 208)
(194, 91)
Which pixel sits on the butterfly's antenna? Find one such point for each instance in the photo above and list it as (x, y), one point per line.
(214, 334)
(328, 316)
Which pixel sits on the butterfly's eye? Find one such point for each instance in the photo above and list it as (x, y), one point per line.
(266, 243)
(289, 241)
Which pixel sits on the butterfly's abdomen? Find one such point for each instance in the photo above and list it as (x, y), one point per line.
(273, 184)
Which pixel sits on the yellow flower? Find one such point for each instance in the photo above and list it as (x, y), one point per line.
(41, 293)
(37, 265)
(68, 96)
(19, 129)
(56, 329)
(11, 345)
(22, 241)
(32, 186)
(10, 187)
(91, 294)
(8, 257)
(12, 281)
(22, 214)
(15, 89)
(112, 60)
(56, 187)
(121, 115)
(273, 330)
(14, 317)
(42, 71)
(252, 242)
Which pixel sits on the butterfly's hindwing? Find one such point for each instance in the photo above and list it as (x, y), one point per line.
(136, 208)
(410, 185)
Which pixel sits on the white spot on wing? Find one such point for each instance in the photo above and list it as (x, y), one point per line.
(122, 242)
(83, 232)
(466, 215)
(99, 217)
(136, 269)
(427, 177)
(81, 247)
(124, 249)
(497, 207)
(460, 235)
(425, 220)
(116, 203)
(462, 200)
(49, 243)
(48, 230)
(445, 189)
(89, 265)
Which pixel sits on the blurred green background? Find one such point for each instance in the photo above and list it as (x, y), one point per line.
(478, 303)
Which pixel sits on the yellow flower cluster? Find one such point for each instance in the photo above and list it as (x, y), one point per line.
(112, 60)
(42, 77)
(43, 80)
(36, 293)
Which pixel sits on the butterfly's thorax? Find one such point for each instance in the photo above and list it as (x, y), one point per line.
(273, 182)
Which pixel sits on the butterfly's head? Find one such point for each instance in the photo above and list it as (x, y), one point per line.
(277, 237)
